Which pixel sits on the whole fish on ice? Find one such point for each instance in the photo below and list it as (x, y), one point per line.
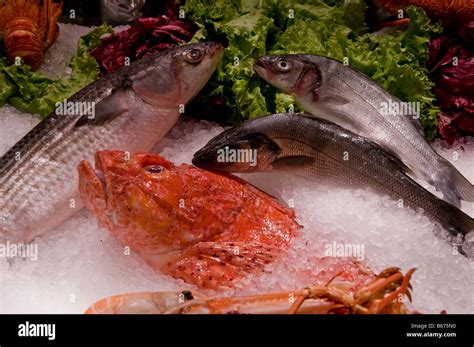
(329, 154)
(130, 109)
(205, 228)
(326, 88)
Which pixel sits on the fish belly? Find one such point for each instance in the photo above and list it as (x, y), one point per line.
(40, 192)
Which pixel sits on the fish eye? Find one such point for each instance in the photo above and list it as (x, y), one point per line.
(193, 56)
(187, 295)
(283, 65)
(154, 169)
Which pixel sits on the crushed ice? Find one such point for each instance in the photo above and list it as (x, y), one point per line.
(80, 263)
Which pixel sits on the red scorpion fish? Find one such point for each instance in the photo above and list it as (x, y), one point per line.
(205, 228)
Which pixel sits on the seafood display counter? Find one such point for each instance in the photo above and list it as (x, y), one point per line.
(198, 161)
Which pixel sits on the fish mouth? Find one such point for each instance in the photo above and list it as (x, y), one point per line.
(216, 53)
(202, 157)
(98, 169)
(260, 67)
(215, 49)
(95, 173)
(100, 175)
(92, 186)
(260, 63)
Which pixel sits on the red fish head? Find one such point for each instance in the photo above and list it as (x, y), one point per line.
(142, 199)
(203, 227)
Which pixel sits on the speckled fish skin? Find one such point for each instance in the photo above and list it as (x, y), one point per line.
(135, 107)
(205, 228)
(316, 149)
(328, 89)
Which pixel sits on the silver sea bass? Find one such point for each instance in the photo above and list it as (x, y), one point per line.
(326, 88)
(130, 109)
(326, 153)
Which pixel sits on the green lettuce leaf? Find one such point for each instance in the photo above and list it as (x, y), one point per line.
(396, 59)
(35, 93)
(244, 25)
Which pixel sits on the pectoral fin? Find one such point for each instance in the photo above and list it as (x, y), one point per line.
(106, 110)
(219, 264)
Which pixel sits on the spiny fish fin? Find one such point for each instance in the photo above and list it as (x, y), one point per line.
(249, 256)
(292, 162)
(203, 271)
(219, 264)
(106, 110)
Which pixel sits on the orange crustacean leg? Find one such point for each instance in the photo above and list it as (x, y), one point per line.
(402, 289)
(379, 296)
(365, 300)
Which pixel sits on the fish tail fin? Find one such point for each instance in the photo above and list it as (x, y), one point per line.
(464, 188)
(454, 185)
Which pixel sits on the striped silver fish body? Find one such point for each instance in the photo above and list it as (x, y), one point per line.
(134, 107)
(326, 153)
(328, 89)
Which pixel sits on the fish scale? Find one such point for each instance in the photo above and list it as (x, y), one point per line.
(328, 89)
(326, 153)
(135, 107)
(209, 234)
